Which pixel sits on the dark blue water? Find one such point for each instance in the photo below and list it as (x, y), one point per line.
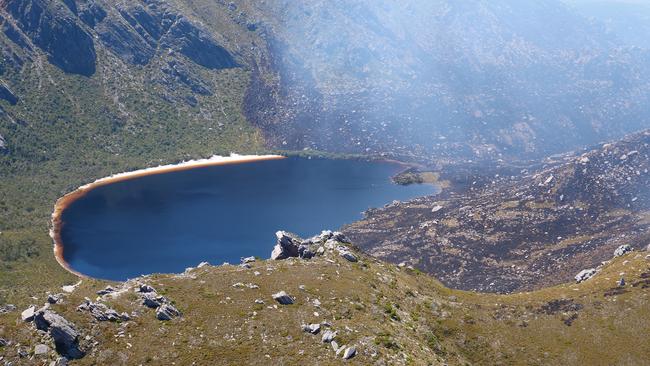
(167, 222)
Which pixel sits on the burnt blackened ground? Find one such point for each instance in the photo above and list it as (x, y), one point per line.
(526, 231)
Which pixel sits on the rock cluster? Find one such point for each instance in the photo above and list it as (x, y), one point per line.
(291, 246)
(622, 250)
(585, 274)
(164, 308)
(102, 313)
(346, 352)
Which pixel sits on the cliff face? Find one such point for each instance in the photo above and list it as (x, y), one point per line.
(50, 27)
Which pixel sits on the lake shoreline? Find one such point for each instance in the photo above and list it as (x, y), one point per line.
(65, 201)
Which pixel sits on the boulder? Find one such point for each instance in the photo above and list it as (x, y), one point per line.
(349, 353)
(349, 256)
(286, 247)
(41, 349)
(328, 336)
(167, 312)
(28, 314)
(338, 236)
(144, 288)
(54, 299)
(106, 291)
(203, 264)
(248, 260)
(311, 328)
(283, 298)
(153, 300)
(585, 274)
(3, 342)
(66, 338)
(335, 345)
(623, 249)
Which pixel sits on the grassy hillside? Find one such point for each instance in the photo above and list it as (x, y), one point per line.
(392, 315)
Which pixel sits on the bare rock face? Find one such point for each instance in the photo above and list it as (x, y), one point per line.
(7, 94)
(64, 334)
(52, 28)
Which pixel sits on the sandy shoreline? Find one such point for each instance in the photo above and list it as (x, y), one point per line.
(65, 201)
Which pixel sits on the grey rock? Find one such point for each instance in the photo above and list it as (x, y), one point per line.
(585, 274)
(325, 235)
(349, 353)
(41, 349)
(28, 314)
(7, 308)
(106, 291)
(283, 298)
(61, 361)
(167, 312)
(286, 246)
(153, 300)
(311, 328)
(54, 299)
(3, 342)
(349, 256)
(144, 288)
(248, 260)
(338, 236)
(304, 252)
(623, 249)
(328, 336)
(335, 345)
(102, 313)
(64, 334)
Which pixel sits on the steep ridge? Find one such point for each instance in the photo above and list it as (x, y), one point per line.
(526, 232)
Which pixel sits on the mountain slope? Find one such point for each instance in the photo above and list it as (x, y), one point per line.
(522, 233)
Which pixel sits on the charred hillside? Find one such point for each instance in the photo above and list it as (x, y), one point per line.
(522, 233)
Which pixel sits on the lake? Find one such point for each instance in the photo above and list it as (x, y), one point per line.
(167, 222)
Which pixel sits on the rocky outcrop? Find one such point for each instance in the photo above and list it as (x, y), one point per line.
(101, 312)
(287, 246)
(142, 29)
(585, 274)
(622, 250)
(54, 30)
(197, 45)
(167, 312)
(63, 332)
